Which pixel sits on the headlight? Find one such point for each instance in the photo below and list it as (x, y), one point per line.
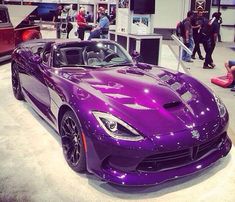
(221, 106)
(117, 128)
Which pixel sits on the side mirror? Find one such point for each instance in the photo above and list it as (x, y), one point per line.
(135, 54)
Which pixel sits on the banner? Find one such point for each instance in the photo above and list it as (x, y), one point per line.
(201, 5)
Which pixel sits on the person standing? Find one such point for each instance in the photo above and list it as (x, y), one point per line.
(220, 21)
(197, 23)
(65, 25)
(210, 33)
(88, 17)
(214, 33)
(103, 26)
(188, 37)
(82, 23)
(56, 20)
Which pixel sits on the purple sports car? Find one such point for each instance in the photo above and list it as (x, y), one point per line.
(128, 123)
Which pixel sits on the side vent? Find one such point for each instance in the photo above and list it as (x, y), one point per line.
(172, 104)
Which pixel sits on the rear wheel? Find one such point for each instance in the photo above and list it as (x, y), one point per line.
(16, 86)
(72, 144)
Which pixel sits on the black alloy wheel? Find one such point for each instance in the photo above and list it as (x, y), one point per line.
(16, 86)
(72, 143)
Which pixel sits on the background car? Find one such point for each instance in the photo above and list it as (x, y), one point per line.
(128, 123)
(15, 27)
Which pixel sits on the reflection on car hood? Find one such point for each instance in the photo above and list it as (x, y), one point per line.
(157, 99)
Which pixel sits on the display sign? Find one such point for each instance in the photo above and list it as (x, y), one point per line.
(122, 20)
(123, 4)
(201, 5)
(140, 24)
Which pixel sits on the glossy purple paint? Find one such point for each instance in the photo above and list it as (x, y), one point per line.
(173, 107)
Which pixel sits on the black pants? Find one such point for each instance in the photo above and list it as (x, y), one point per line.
(212, 49)
(81, 33)
(69, 28)
(219, 35)
(208, 49)
(57, 30)
(197, 40)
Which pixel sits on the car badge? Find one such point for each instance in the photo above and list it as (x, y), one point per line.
(195, 134)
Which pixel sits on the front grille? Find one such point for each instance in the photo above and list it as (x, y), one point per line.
(168, 160)
(210, 145)
(164, 160)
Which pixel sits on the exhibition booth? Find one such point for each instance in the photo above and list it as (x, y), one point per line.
(163, 17)
(111, 119)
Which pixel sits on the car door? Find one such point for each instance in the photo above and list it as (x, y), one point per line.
(7, 39)
(34, 83)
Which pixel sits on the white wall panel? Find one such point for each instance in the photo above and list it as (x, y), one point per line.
(169, 12)
(228, 16)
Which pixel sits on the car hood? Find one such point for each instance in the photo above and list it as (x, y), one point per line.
(156, 100)
(22, 12)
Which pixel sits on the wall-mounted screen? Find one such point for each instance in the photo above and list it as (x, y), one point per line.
(143, 6)
(45, 11)
(223, 2)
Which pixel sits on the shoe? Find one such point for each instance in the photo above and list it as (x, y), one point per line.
(201, 57)
(189, 61)
(212, 65)
(193, 57)
(207, 67)
(233, 89)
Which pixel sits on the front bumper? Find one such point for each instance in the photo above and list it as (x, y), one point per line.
(156, 160)
(140, 178)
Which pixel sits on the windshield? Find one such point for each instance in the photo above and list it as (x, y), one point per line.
(90, 54)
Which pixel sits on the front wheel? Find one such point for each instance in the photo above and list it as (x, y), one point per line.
(16, 86)
(72, 144)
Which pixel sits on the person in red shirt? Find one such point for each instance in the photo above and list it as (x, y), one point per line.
(82, 24)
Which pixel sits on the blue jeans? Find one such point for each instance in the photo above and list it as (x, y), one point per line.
(185, 56)
(95, 34)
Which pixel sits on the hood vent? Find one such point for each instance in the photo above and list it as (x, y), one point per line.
(134, 71)
(172, 104)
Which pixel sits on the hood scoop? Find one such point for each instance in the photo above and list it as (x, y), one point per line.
(134, 71)
(131, 71)
(172, 104)
(143, 66)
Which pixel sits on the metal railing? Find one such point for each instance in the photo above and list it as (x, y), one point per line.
(181, 46)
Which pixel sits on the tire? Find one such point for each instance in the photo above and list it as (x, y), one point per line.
(16, 86)
(72, 143)
(30, 35)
